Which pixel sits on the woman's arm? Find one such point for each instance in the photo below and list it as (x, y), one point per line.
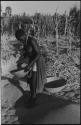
(37, 50)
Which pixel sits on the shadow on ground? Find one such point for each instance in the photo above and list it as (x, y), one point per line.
(44, 104)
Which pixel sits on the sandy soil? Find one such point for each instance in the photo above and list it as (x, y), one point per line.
(48, 109)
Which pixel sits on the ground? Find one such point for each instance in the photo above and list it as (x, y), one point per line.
(49, 108)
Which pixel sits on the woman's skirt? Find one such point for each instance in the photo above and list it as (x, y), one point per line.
(41, 74)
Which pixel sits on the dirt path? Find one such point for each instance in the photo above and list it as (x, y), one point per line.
(69, 114)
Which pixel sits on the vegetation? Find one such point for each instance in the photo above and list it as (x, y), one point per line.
(47, 23)
(58, 37)
(59, 41)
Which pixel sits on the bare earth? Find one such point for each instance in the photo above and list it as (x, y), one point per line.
(48, 109)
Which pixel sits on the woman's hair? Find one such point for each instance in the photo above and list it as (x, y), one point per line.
(19, 33)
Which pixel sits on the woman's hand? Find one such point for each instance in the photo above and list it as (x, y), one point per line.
(18, 66)
(26, 68)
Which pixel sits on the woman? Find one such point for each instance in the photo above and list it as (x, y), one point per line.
(36, 62)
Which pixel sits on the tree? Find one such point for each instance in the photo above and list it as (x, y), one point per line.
(66, 23)
(57, 22)
(74, 16)
(8, 11)
(0, 8)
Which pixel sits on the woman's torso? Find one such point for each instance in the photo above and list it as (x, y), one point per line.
(30, 51)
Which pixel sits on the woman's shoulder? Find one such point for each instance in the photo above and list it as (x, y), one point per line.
(31, 38)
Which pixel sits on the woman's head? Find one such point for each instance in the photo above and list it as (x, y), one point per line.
(20, 35)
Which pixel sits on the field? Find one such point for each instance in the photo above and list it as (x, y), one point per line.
(65, 66)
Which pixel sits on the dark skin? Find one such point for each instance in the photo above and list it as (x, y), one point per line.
(21, 60)
(36, 48)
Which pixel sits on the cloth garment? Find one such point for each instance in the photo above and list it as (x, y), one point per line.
(40, 69)
(41, 74)
(34, 67)
(39, 65)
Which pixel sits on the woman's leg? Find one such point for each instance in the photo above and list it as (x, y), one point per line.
(33, 84)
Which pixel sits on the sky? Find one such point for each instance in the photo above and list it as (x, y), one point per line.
(44, 7)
